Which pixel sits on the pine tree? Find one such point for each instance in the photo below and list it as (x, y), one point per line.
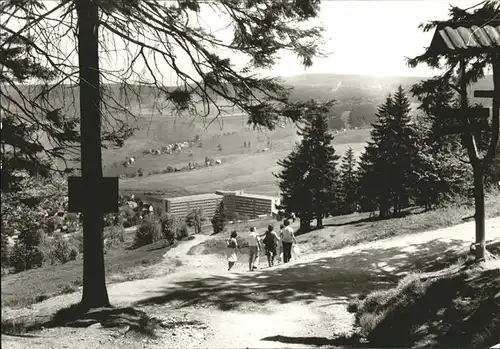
(295, 196)
(374, 164)
(405, 153)
(348, 183)
(388, 168)
(309, 178)
(219, 220)
(440, 173)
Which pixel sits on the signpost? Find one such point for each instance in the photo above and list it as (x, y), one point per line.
(100, 195)
(463, 126)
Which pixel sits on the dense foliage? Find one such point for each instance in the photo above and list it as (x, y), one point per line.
(309, 177)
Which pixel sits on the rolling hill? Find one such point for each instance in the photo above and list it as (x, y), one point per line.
(242, 167)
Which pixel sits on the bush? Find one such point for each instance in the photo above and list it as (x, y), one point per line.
(183, 233)
(219, 221)
(245, 218)
(130, 217)
(195, 219)
(114, 236)
(23, 257)
(147, 233)
(59, 251)
(78, 241)
(169, 227)
(5, 250)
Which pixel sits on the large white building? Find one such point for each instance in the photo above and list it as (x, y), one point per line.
(181, 206)
(251, 205)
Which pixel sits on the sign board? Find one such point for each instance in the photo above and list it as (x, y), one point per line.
(460, 129)
(458, 123)
(104, 196)
(484, 93)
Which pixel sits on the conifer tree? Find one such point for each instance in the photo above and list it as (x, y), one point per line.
(219, 220)
(441, 173)
(309, 178)
(374, 164)
(348, 183)
(388, 168)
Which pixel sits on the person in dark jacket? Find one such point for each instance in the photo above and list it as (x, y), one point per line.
(270, 241)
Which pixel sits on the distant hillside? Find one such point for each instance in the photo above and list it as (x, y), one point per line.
(358, 87)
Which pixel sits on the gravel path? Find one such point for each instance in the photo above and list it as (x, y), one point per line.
(299, 304)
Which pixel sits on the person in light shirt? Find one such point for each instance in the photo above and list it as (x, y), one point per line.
(232, 245)
(253, 249)
(288, 238)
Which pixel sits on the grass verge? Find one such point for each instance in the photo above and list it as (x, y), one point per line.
(452, 307)
(33, 286)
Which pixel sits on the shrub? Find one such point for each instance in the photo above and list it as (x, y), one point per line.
(59, 251)
(5, 249)
(245, 218)
(23, 257)
(147, 233)
(195, 219)
(114, 236)
(169, 227)
(183, 232)
(78, 241)
(130, 217)
(219, 220)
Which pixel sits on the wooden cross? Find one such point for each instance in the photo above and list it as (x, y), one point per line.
(100, 195)
(461, 126)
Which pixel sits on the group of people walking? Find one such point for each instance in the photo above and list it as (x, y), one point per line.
(270, 240)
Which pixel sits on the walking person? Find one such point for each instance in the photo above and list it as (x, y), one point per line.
(232, 245)
(288, 238)
(279, 249)
(270, 243)
(253, 249)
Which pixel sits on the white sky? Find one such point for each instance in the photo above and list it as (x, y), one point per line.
(365, 37)
(373, 37)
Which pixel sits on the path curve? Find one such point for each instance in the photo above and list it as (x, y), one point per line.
(246, 328)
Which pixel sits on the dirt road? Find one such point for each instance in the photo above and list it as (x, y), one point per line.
(298, 304)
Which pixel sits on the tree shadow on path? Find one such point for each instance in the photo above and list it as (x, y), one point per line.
(335, 277)
(131, 319)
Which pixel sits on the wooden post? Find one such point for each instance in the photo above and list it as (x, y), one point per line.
(91, 184)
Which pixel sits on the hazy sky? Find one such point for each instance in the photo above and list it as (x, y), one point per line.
(364, 37)
(373, 37)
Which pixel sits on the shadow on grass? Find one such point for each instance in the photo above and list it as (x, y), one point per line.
(450, 311)
(132, 320)
(335, 277)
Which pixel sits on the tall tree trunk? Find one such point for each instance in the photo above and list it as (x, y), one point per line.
(479, 216)
(305, 225)
(95, 293)
(319, 221)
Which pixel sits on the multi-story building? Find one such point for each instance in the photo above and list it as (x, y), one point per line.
(181, 206)
(251, 205)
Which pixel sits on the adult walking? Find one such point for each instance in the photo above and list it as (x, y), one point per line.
(288, 238)
(232, 245)
(253, 249)
(270, 243)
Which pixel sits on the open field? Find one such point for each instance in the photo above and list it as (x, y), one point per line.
(241, 168)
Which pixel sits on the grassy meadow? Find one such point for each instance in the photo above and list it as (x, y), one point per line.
(250, 169)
